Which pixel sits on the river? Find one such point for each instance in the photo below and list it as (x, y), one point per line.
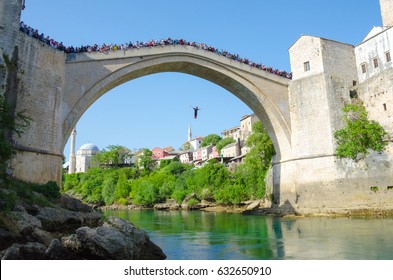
(222, 236)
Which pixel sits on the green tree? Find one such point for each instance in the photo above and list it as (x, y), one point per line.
(186, 146)
(123, 187)
(206, 180)
(211, 139)
(108, 190)
(224, 142)
(359, 134)
(145, 161)
(253, 171)
(112, 155)
(9, 123)
(175, 168)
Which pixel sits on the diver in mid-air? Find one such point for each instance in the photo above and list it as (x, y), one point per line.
(196, 111)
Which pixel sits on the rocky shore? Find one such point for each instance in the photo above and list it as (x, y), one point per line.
(71, 230)
(245, 207)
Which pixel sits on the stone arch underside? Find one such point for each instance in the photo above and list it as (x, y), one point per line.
(233, 80)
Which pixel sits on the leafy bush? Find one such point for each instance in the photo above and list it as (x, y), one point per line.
(359, 134)
(123, 187)
(70, 181)
(50, 189)
(211, 139)
(108, 190)
(231, 194)
(179, 192)
(8, 200)
(9, 123)
(192, 202)
(122, 201)
(224, 142)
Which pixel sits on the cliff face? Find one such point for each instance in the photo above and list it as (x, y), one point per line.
(71, 230)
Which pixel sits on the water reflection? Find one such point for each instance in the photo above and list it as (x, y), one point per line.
(202, 235)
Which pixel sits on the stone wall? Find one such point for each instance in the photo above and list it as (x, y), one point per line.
(331, 185)
(377, 95)
(10, 12)
(317, 95)
(40, 74)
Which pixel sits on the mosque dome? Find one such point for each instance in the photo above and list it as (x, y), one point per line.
(88, 148)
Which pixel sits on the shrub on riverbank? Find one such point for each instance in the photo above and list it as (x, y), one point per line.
(32, 193)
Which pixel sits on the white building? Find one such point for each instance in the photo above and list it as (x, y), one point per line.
(246, 124)
(195, 144)
(373, 54)
(84, 156)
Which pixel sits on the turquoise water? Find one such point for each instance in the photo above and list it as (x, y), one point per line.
(219, 236)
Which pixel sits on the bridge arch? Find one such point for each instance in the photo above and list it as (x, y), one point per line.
(89, 76)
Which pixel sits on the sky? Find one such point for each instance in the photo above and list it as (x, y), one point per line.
(156, 110)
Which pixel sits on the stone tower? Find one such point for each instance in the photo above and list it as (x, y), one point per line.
(72, 153)
(189, 134)
(387, 12)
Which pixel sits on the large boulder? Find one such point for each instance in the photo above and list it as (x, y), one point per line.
(115, 240)
(8, 238)
(187, 205)
(19, 222)
(58, 219)
(170, 204)
(73, 204)
(28, 251)
(41, 236)
(254, 205)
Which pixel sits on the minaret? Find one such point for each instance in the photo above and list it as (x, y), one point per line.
(72, 153)
(189, 133)
(386, 12)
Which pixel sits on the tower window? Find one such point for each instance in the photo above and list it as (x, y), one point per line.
(387, 56)
(364, 69)
(375, 62)
(306, 66)
(384, 107)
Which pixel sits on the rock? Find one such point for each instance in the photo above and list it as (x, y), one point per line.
(115, 240)
(19, 222)
(56, 219)
(105, 243)
(185, 204)
(91, 219)
(253, 205)
(71, 243)
(73, 204)
(28, 251)
(205, 203)
(127, 228)
(8, 238)
(56, 251)
(145, 249)
(170, 204)
(42, 236)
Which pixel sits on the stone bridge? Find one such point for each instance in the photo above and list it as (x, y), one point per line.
(300, 115)
(90, 75)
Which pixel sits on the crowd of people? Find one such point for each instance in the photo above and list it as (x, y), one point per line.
(105, 48)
